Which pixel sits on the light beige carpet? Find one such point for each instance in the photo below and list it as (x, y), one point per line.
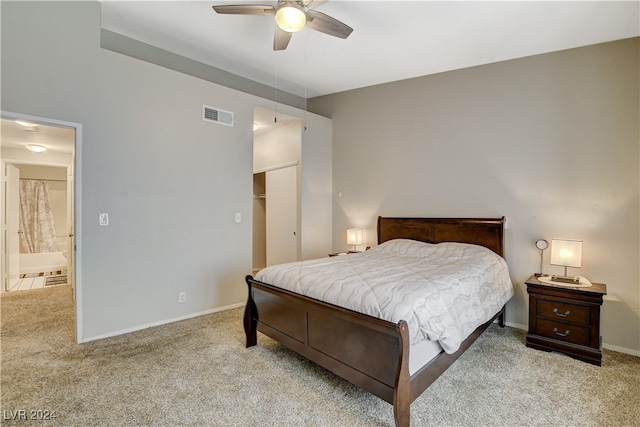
(197, 372)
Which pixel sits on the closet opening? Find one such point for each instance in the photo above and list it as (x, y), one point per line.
(277, 148)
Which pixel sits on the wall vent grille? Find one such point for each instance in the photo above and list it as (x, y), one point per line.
(216, 115)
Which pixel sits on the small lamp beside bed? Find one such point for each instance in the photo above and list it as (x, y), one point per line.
(566, 253)
(354, 237)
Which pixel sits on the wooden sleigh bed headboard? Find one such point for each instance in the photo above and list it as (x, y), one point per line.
(487, 232)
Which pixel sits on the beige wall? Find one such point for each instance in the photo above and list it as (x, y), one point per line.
(549, 141)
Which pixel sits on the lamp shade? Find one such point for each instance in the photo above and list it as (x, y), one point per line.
(354, 236)
(566, 252)
(290, 18)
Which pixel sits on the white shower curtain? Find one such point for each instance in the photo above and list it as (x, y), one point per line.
(36, 219)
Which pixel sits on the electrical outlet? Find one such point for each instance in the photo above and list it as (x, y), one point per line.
(182, 297)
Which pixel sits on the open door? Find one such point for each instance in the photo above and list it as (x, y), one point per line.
(11, 226)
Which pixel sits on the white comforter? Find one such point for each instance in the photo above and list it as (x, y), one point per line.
(443, 291)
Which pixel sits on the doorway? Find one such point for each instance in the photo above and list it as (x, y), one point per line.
(44, 152)
(277, 148)
(41, 234)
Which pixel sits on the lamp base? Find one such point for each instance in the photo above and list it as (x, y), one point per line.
(572, 280)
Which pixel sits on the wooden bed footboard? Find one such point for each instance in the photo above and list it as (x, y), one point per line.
(368, 352)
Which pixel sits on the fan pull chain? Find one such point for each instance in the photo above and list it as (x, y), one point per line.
(306, 68)
(275, 106)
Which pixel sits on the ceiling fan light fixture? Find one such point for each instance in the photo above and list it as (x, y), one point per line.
(290, 18)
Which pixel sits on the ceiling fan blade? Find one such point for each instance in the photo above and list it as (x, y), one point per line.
(281, 39)
(312, 4)
(246, 9)
(328, 25)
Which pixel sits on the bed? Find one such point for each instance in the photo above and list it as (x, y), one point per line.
(368, 351)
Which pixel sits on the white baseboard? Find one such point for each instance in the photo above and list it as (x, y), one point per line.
(621, 349)
(517, 326)
(161, 322)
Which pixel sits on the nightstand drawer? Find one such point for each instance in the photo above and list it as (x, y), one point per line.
(563, 331)
(571, 313)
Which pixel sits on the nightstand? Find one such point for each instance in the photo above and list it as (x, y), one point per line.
(346, 253)
(566, 319)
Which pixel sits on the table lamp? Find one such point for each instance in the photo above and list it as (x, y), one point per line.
(566, 253)
(354, 237)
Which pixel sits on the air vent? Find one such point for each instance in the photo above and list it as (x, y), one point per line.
(216, 115)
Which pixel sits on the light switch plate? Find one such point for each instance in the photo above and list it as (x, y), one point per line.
(103, 219)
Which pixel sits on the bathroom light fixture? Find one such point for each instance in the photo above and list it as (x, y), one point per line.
(354, 237)
(566, 253)
(36, 148)
(290, 17)
(255, 126)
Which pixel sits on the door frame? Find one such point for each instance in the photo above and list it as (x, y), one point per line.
(76, 251)
(10, 187)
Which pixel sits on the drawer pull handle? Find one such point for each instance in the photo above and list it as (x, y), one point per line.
(566, 313)
(560, 333)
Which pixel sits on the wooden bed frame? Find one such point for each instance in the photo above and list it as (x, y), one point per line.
(369, 352)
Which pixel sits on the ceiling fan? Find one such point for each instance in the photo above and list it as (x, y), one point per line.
(291, 16)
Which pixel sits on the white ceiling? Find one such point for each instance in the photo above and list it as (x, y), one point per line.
(392, 40)
(54, 138)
